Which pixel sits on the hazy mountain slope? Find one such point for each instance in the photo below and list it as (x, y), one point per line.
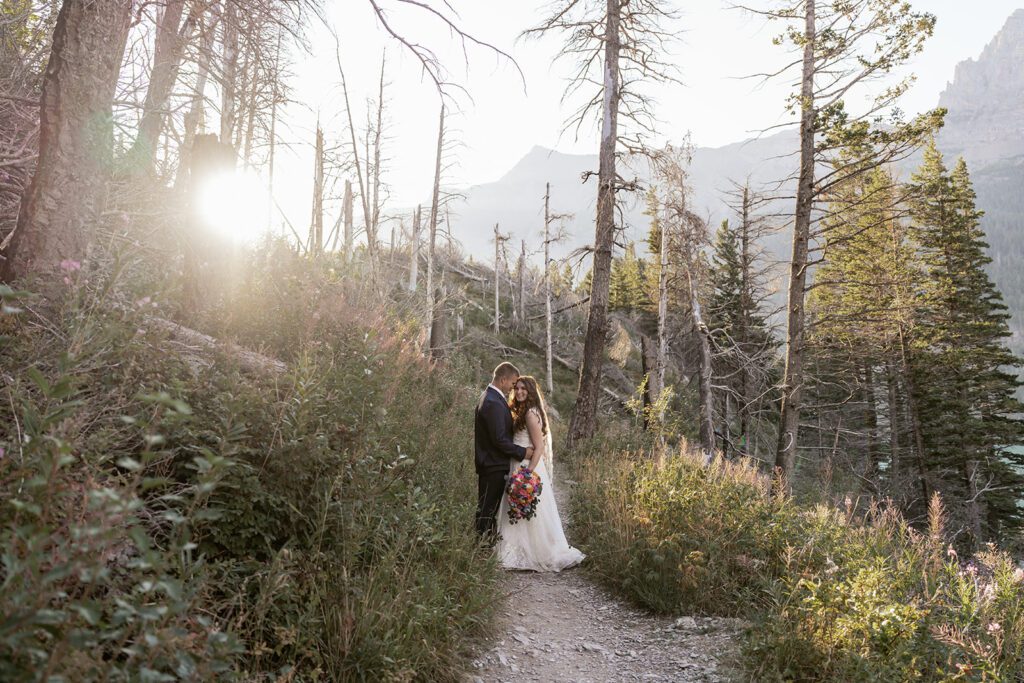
(985, 124)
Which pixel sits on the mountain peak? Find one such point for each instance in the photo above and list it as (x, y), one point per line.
(986, 99)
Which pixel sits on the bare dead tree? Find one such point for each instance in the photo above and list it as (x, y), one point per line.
(520, 316)
(685, 235)
(499, 241)
(435, 207)
(171, 36)
(619, 45)
(316, 226)
(229, 70)
(414, 251)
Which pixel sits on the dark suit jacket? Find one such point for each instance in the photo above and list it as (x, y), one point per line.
(493, 442)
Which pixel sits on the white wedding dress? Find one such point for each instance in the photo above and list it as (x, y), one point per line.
(539, 543)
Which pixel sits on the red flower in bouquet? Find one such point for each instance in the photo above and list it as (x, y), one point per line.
(523, 490)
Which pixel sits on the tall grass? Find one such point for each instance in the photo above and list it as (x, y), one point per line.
(833, 596)
(169, 514)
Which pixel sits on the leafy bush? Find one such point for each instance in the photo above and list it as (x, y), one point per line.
(833, 597)
(178, 515)
(675, 535)
(100, 578)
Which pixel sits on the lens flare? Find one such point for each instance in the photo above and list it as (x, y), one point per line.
(234, 204)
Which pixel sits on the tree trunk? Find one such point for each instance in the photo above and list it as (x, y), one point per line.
(497, 280)
(521, 274)
(439, 323)
(348, 218)
(894, 427)
(195, 118)
(273, 134)
(375, 186)
(64, 200)
(662, 355)
(371, 246)
(707, 407)
(167, 52)
(793, 378)
(648, 366)
(252, 96)
(435, 202)
(547, 290)
(871, 422)
(229, 72)
(414, 251)
(584, 414)
(316, 227)
(747, 308)
(915, 418)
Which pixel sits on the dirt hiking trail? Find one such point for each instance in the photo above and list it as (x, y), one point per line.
(562, 627)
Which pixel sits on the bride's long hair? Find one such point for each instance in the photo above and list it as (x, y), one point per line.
(534, 399)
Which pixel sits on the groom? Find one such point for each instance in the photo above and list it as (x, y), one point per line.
(494, 447)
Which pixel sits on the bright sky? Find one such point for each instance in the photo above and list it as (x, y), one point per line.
(502, 122)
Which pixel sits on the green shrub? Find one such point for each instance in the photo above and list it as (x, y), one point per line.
(309, 525)
(833, 597)
(100, 577)
(677, 536)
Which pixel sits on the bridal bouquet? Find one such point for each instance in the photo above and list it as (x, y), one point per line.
(523, 490)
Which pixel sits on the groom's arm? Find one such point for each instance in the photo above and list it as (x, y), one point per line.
(495, 416)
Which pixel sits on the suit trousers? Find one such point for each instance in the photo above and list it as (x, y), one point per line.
(490, 489)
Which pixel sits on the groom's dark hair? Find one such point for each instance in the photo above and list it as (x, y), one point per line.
(504, 370)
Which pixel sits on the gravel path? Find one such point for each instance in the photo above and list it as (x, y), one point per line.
(562, 627)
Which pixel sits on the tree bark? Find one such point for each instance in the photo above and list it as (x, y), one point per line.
(521, 275)
(793, 378)
(707, 405)
(662, 354)
(435, 201)
(378, 135)
(439, 323)
(195, 118)
(316, 228)
(348, 218)
(414, 251)
(229, 72)
(65, 198)
(894, 426)
(584, 415)
(915, 418)
(871, 420)
(497, 280)
(747, 308)
(167, 52)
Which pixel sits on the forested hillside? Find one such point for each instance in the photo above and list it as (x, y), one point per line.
(235, 453)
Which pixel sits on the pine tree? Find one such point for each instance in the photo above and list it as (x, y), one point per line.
(626, 292)
(745, 358)
(965, 372)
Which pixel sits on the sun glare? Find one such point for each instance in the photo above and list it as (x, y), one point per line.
(234, 204)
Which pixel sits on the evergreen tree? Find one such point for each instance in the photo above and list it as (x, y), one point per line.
(965, 372)
(745, 349)
(626, 292)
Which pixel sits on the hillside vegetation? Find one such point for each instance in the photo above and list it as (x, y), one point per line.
(172, 512)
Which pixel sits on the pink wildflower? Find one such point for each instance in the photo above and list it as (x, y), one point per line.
(70, 265)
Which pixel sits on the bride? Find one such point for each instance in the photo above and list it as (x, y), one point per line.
(539, 543)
